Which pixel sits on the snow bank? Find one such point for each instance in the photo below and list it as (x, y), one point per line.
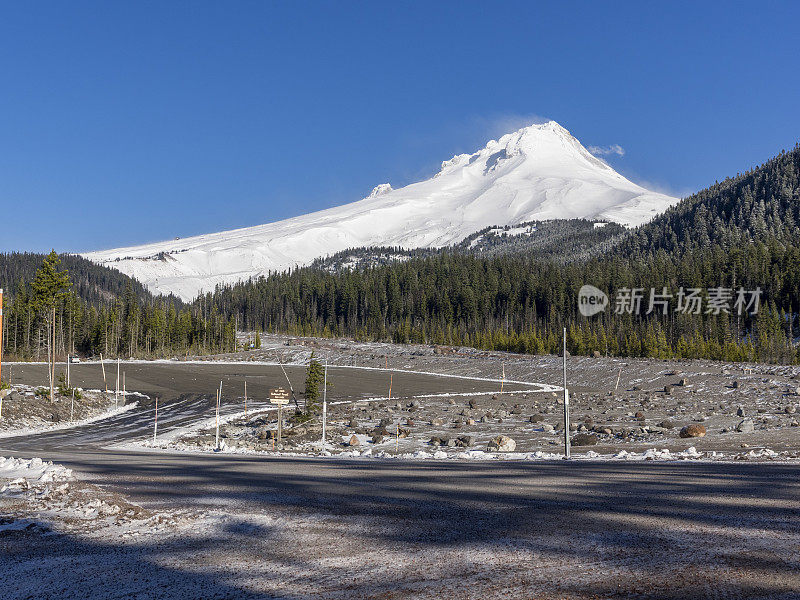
(22, 473)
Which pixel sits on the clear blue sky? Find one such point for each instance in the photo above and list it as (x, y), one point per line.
(128, 122)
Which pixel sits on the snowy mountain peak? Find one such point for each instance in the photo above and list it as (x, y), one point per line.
(539, 172)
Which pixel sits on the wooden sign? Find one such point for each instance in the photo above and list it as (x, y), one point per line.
(279, 396)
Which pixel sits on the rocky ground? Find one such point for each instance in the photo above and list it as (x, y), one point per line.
(618, 407)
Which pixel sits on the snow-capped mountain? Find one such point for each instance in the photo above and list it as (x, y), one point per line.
(539, 172)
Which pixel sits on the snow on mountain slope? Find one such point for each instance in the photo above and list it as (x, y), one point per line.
(539, 172)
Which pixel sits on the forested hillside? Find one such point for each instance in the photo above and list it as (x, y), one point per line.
(97, 310)
(761, 205)
(564, 240)
(741, 234)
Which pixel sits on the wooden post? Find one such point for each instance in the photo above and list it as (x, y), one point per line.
(280, 424)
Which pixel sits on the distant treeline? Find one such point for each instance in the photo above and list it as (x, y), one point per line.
(99, 311)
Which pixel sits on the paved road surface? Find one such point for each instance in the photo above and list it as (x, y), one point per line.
(462, 529)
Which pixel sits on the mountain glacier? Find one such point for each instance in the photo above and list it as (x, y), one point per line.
(539, 172)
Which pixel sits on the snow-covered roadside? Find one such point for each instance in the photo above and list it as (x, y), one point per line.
(38, 496)
(331, 451)
(111, 412)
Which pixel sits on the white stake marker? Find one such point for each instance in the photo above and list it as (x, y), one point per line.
(155, 424)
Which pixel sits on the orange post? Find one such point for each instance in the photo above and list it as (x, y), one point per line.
(1, 335)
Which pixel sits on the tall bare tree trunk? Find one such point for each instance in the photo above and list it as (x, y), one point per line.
(53, 356)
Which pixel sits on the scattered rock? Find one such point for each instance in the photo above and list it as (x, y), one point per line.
(746, 426)
(668, 389)
(790, 410)
(692, 431)
(502, 443)
(354, 441)
(537, 418)
(584, 439)
(547, 428)
(735, 385)
(667, 424)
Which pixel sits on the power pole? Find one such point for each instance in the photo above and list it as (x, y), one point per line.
(324, 402)
(566, 401)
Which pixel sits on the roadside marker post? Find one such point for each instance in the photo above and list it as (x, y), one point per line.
(219, 399)
(503, 378)
(155, 424)
(391, 377)
(324, 402)
(245, 398)
(279, 396)
(116, 390)
(103, 365)
(566, 401)
(72, 406)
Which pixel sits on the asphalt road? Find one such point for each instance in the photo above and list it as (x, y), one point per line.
(636, 520)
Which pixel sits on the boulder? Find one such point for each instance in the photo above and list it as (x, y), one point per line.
(354, 441)
(537, 418)
(746, 426)
(692, 431)
(740, 412)
(584, 439)
(502, 443)
(465, 441)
